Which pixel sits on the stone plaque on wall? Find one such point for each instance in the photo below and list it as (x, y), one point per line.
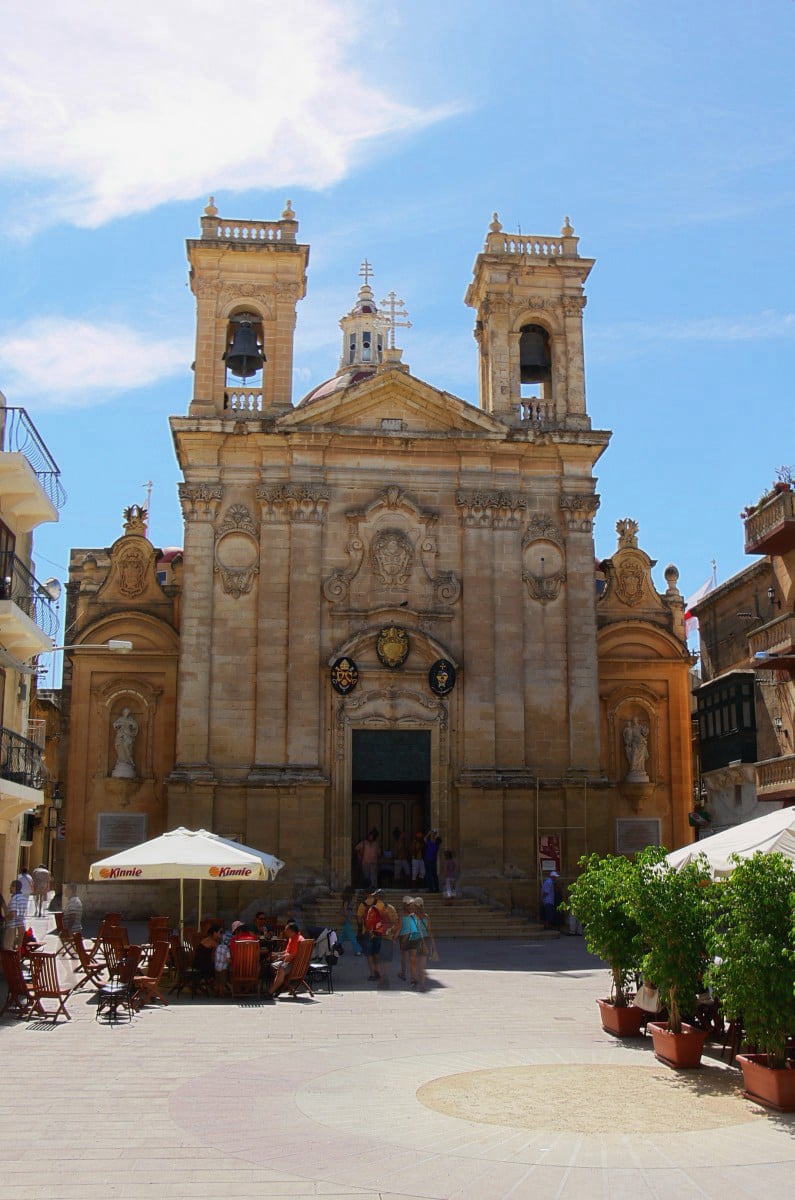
(118, 831)
(635, 833)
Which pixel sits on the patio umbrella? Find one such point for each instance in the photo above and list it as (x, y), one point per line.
(775, 831)
(187, 854)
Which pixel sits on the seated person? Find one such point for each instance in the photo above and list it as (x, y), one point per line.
(280, 963)
(204, 955)
(221, 960)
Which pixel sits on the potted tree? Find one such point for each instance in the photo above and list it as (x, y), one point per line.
(670, 909)
(753, 941)
(598, 899)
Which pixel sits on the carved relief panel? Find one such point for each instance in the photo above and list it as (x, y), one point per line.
(392, 551)
(543, 559)
(237, 551)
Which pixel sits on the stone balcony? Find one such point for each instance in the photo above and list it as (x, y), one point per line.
(772, 646)
(771, 528)
(775, 778)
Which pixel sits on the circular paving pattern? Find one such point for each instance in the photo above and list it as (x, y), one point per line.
(592, 1098)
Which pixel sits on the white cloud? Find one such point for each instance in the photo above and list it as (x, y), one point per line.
(77, 363)
(634, 338)
(116, 110)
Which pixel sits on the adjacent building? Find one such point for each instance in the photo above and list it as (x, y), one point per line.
(30, 494)
(746, 698)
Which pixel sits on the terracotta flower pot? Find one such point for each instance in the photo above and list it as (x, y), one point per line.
(677, 1049)
(774, 1087)
(622, 1022)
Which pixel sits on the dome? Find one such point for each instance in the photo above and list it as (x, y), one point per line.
(338, 383)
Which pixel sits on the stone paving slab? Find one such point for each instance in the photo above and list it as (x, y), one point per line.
(319, 1097)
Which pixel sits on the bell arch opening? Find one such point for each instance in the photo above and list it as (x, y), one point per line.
(535, 370)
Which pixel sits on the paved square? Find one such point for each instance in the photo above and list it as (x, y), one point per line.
(497, 1082)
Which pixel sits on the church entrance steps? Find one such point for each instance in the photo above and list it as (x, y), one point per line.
(464, 917)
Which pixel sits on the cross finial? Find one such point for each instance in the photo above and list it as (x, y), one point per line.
(396, 315)
(366, 271)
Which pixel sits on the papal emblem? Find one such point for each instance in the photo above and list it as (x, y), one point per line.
(441, 677)
(392, 646)
(344, 676)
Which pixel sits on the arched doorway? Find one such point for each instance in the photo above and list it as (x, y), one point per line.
(390, 785)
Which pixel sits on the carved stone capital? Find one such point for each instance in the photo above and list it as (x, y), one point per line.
(293, 502)
(573, 305)
(200, 501)
(490, 510)
(580, 511)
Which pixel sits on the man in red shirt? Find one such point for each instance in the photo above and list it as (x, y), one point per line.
(282, 962)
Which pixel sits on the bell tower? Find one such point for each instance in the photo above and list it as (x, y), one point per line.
(247, 277)
(527, 292)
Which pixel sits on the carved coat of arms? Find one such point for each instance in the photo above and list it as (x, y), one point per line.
(344, 676)
(392, 646)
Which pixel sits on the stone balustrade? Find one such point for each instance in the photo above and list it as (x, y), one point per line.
(243, 400)
(775, 775)
(530, 243)
(766, 527)
(776, 637)
(249, 231)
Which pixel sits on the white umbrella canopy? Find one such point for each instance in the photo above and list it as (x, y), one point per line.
(775, 831)
(187, 854)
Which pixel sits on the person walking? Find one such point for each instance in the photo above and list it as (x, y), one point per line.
(400, 855)
(450, 876)
(422, 945)
(368, 852)
(346, 932)
(16, 916)
(42, 882)
(72, 909)
(25, 880)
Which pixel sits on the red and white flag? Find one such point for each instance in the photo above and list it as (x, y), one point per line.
(691, 622)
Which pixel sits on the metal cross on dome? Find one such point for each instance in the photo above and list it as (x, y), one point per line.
(396, 315)
(366, 271)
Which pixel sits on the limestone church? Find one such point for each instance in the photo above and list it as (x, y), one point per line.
(386, 610)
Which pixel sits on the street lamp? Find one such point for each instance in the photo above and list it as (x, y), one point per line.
(114, 645)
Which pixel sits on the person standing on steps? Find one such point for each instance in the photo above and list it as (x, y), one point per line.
(430, 856)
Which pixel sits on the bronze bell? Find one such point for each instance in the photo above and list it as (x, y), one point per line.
(535, 365)
(244, 357)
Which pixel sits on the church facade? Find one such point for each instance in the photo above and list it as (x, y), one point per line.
(387, 611)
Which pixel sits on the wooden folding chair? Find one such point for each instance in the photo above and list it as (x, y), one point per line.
(19, 999)
(185, 974)
(296, 979)
(90, 972)
(158, 929)
(45, 986)
(148, 985)
(118, 993)
(244, 967)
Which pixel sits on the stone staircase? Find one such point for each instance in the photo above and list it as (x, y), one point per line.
(464, 917)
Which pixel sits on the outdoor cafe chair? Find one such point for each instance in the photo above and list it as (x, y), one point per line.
(296, 978)
(108, 922)
(90, 972)
(118, 993)
(44, 985)
(19, 999)
(158, 929)
(185, 974)
(244, 967)
(148, 985)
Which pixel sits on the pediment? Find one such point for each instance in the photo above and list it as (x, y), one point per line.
(132, 578)
(393, 402)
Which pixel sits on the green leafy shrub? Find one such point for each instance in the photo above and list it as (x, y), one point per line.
(753, 936)
(671, 911)
(598, 899)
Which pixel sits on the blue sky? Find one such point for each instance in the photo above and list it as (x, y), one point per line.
(665, 132)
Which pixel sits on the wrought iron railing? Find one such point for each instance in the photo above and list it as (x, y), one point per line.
(21, 586)
(19, 435)
(20, 759)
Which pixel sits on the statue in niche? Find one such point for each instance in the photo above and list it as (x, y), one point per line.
(636, 746)
(126, 729)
